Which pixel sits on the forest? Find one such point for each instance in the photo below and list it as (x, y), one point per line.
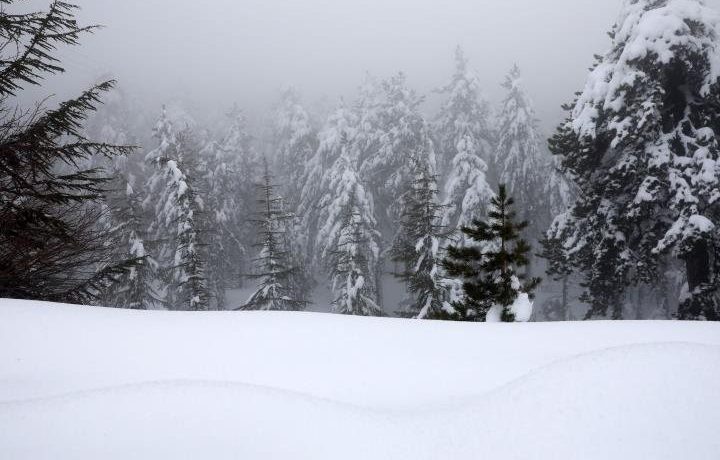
(465, 213)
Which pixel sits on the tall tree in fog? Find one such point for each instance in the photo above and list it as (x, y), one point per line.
(521, 164)
(274, 267)
(140, 288)
(417, 247)
(391, 132)
(337, 138)
(176, 200)
(348, 239)
(464, 143)
(295, 143)
(239, 174)
(641, 146)
(49, 246)
(230, 167)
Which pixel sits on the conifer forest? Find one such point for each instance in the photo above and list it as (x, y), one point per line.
(249, 176)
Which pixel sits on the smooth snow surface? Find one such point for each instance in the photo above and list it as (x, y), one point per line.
(90, 383)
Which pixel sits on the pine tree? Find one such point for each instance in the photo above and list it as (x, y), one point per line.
(348, 241)
(493, 278)
(417, 248)
(336, 139)
(228, 168)
(520, 162)
(559, 267)
(49, 246)
(178, 222)
(276, 290)
(640, 144)
(239, 165)
(392, 131)
(296, 143)
(464, 147)
(462, 126)
(138, 289)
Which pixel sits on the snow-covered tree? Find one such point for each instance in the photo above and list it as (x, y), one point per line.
(464, 147)
(348, 240)
(273, 264)
(493, 279)
(228, 169)
(49, 245)
(417, 248)
(178, 205)
(520, 162)
(462, 125)
(336, 139)
(295, 142)
(641, 147)
(140, 288)
(391, 132)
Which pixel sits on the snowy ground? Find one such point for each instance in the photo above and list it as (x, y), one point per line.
(91, 383)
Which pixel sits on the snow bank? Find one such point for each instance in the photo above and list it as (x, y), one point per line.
(89, 383)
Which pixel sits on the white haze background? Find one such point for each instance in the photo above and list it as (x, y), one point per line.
(209, 54)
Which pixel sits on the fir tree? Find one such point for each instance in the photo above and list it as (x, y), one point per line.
(640, 144)
(492, 277)
(392, 131)
(558, 268)
(178, 223)
(49, 246)
(296, 143)
(462, 126)
(348, 241)
(520, 162)
(336, 139)
(239, 165)
(228, 168)
(276, 290)
(417, 248)
(464, 148)
(138, 289)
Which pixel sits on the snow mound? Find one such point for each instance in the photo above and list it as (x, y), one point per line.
(88, 383)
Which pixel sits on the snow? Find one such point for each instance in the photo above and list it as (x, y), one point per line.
(645, 30)
(89, 383)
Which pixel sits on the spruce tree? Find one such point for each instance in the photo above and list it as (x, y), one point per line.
(462, 126)
(464, 145)
(273, 265)
(49, 246)
(350, 266)
(417, 248)
(295, 144)
(237, 167)
(337, 138)
(640, 144)
(178, 216)
(139, 288)
(558, 269)
(521, 164)
(492, 277)
(391, 132)
(348, 241)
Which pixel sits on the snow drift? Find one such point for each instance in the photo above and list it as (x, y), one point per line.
(89, 383)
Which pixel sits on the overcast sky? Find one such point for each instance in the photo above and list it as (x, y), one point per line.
(213, 52)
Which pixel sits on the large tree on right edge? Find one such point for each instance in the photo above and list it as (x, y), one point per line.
(641, 146)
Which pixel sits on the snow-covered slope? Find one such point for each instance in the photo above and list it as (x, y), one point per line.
(91, 383)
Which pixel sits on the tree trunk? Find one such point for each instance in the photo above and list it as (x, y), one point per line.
(697, 265)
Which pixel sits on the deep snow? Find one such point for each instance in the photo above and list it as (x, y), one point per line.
(93, 383)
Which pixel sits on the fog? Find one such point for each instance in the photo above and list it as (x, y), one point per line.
(211, 54)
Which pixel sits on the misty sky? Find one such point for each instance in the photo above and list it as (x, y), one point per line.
(214, 52)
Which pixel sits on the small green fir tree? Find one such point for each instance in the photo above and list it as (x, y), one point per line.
(492, 276)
